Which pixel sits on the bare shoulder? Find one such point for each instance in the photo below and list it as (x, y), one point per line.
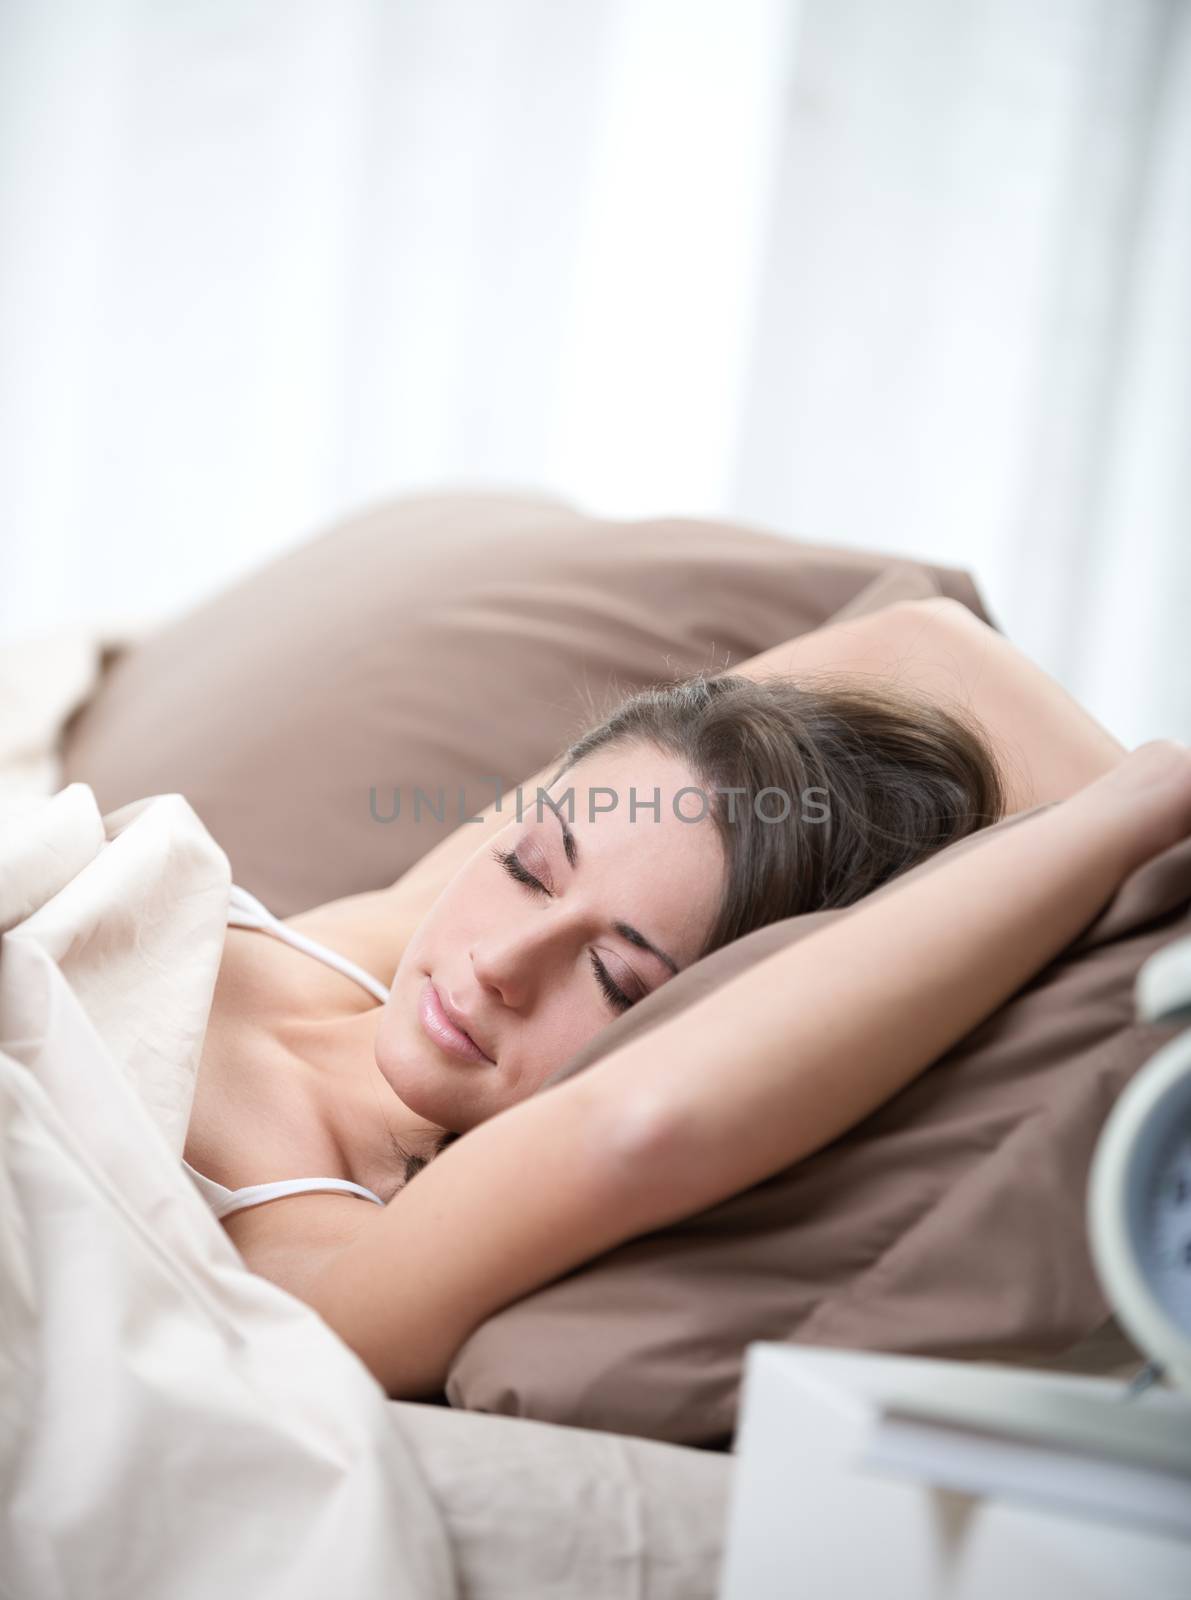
(293, 1240)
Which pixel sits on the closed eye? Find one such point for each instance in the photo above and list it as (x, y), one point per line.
(616, 997)
(508, 859)
(512, 865)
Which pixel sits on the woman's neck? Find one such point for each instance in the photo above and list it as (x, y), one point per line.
(373, 1128)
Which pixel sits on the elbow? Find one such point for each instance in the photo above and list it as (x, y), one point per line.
(649, 1166)
(644, 1128)
(615, 1117)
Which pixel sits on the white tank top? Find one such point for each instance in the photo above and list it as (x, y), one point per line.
(246, 911)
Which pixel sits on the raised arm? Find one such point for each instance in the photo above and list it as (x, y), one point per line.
(873, 644)
(1046, 743)
(757, 1075)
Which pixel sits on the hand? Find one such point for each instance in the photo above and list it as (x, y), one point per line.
(1145, 798)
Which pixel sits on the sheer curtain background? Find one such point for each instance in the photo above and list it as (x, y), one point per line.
(903, 274)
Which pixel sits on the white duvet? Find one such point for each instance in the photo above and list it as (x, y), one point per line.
(174, 1427)
(170, 1423)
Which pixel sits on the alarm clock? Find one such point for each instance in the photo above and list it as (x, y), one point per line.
(1139, 1187)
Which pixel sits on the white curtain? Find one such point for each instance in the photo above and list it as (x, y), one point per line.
(974, 337)
(906, 274)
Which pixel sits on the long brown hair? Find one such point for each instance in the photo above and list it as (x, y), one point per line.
(873, 780)
(888, 779)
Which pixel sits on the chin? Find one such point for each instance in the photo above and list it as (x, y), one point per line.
(435, 1089)
(408, 1076)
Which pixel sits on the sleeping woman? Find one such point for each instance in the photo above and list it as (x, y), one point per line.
(409, 1064)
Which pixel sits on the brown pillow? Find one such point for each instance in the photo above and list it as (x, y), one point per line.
(949, 1223)
(445, 642)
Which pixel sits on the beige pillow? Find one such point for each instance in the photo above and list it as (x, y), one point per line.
(949, 1223)
(453, 643)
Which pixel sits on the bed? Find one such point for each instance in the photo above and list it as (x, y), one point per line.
(174, 1423)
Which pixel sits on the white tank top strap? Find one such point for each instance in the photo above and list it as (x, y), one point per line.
(246, 911)
(223, 1201)
(257, 1193)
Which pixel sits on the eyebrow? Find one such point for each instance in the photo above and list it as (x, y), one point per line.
(570, 847)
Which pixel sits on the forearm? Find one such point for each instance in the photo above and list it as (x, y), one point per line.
(790, 1054)
(1046, 744)
(1049, 743)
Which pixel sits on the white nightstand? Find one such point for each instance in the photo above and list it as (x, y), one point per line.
(865, 1477)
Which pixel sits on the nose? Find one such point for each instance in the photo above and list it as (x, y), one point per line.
(512, 960)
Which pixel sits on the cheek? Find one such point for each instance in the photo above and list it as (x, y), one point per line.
(546, 1047)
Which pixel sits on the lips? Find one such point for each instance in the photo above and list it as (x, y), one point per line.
(444, 1029)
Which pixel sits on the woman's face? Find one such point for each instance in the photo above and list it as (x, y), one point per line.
(523, 969)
